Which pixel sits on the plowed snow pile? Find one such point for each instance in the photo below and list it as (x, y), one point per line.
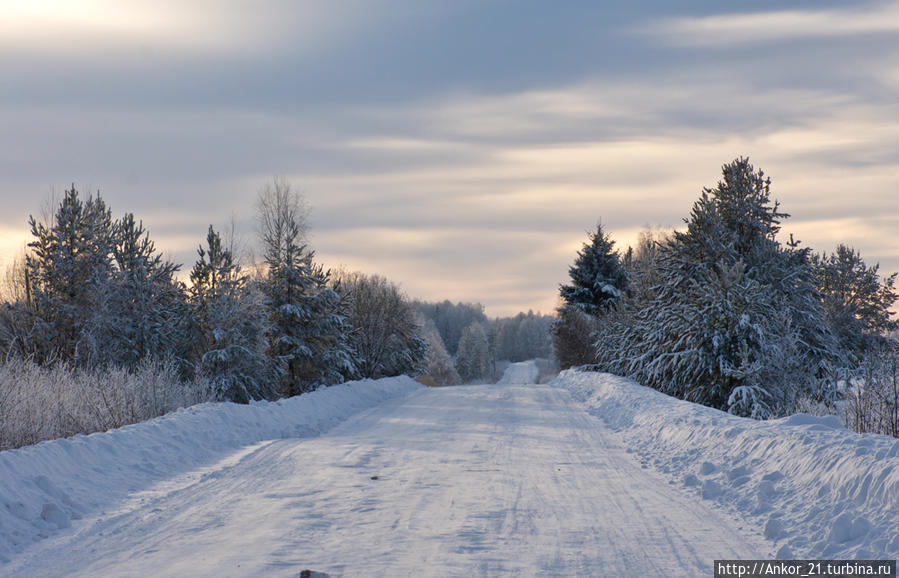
(816, 489)
(44, 487)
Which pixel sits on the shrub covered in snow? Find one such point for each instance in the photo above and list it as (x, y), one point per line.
(40, 403)
(872, 402)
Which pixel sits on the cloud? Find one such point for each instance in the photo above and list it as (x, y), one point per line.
(637, 154)
(95, 32)
(448, 161)
(758, 27)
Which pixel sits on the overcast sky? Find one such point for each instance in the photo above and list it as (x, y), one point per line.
(463, 148)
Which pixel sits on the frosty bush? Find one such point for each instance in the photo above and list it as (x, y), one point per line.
(872, 403)
(386, 336)
(39, 403)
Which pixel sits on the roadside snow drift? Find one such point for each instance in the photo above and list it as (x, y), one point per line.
(814, 488)
(44, 487)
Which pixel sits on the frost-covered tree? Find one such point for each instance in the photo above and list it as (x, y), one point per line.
(385, 335)
(310, 333)
(232, 326)
(440, 364)
(735, 322)
(857, 300)
(473, 357)
(524, 336)
(144, 313)
(597, 277)
(451, 319)
(67, 267)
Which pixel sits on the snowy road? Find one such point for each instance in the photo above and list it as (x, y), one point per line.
(460, 481)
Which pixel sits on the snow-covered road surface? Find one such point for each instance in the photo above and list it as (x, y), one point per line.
(460, 481)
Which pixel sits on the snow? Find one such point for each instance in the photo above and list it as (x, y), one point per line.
(452, 481)
(815, 489)
(589, 475)
(521, 373)
(47, 486)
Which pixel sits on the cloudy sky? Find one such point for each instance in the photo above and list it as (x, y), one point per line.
(463, 148)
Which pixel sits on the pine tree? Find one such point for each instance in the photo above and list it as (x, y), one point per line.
(857, 301)
(232, 326)
(310, 334)
(67, 268)
(735, 322)
(145, 312)
(598, 281)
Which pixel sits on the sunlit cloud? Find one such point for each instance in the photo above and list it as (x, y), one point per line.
(109, 30)
(755, 27)
(459, 187)
(459, 263)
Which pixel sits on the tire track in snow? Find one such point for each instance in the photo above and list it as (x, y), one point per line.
(463, 481)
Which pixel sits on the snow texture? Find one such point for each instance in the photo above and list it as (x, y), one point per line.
(482, 480)
(521, 373)
(817, 490)
(472, 480)
(45, 487)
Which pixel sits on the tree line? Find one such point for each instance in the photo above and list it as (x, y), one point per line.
(94, 292)
(481, 347)
(96, 314)
(727, 314)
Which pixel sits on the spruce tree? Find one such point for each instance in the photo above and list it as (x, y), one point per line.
(597, 277)
(598, 282)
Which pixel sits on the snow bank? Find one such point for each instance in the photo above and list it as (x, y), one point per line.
(44, 487)
(523, 372)
(815, 489)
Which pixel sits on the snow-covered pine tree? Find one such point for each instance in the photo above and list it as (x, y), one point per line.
(144, 313)
(310, 334)
(857, 301)
(731, 302)
(232, 326)
(597, 277)
(386, 336)
(473, 357)
(319, 345)
(67, 267)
